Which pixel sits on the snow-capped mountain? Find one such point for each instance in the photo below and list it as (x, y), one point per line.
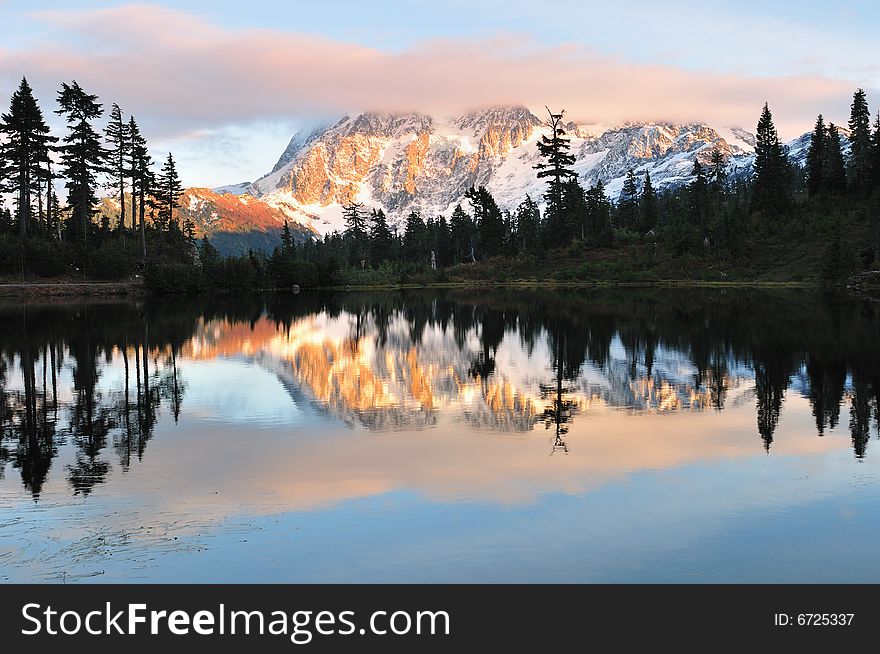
(413, 161)
(405, 162)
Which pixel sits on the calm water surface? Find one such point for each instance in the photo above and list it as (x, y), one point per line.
(619, 435)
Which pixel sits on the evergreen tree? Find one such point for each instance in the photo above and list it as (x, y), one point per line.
(555, 149)
(139, 169)
(208, 255)
(816, 158)
(445, 249)
(489, 221)
(718, 173)
(381, 239)
(415, 239)
(770, 190)
(599, 232)
(25, 151)
(698, 202)
(859, 173)
(355, 233)
(462, 231)
(189, 229)
(528, 226)
(628, 202)
(286, 238)
(834, 170)
(81, 155)
(117, 133)
(875, 144)
(575, 210)
(168, 191)
(648, 205)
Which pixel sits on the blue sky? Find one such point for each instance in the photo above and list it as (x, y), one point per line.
(803, 57)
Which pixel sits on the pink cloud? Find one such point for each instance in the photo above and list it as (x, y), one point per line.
(178, 72)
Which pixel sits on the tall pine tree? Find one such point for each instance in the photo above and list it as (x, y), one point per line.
(648, 205)
(26, 151)
(118, 137)
(140, 171)
(816, 158)
(356, 233)
(859, 173)
(489, 221)
(875, 148)
(599, 232)
(461, 227)
(415, 239)
(628, 202)
(834, 181)
(770, 192)
(555, 150)
(168, 190)
(82, 156)
(528, 226)
(381, 239)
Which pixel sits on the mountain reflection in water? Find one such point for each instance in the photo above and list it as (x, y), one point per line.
(98, 375)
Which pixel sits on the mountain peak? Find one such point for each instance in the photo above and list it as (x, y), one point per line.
(412, 161)
(497, 115)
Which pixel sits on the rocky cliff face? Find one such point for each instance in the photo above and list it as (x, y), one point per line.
(405, 162)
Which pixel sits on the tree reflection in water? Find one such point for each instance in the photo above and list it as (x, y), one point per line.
(100, 375)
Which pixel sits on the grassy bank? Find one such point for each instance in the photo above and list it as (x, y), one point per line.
(64, 287)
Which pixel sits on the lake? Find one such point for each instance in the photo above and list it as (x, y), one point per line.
(589, 435)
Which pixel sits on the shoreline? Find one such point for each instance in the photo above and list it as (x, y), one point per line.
(555, 283)
(26, 290)
(37, 290)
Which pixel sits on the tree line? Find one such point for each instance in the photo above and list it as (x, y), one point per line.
(47, 236)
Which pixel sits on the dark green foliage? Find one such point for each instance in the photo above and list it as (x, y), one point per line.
(24, 154)
(167, 193)
(381, 239)
(598, 233)
(528, 227)
(82, 156)
(463, 233)
(286, 237)
(837, 260)
(834, 172)
(771, 177)
(415, 242)
(356, 234)
(555, 150)
(171, 278)
(648, 206)
(859, 172)
(489, 222)
(111, 262)
(816, 158)
(628, 203)
(875, 153)
(138, 169)
(117, 133)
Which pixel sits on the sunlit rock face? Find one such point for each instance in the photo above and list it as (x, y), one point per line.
(405, 162)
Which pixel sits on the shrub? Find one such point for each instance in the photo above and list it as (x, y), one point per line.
(111, 263)
(45, 258)
(169, 278)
